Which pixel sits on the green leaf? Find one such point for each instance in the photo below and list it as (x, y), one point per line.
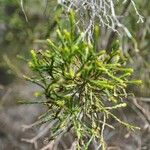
(101, 84)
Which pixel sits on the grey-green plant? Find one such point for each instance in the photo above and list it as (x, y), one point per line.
(83, 86)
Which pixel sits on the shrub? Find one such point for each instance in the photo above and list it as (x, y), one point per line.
(82, 87)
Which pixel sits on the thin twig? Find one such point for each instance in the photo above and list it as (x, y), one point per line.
(38, 136)
(113, 34)
(23, 10)
(49, 146)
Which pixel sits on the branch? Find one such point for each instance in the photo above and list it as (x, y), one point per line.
(113, 34)
(39, 135)
(22, 7)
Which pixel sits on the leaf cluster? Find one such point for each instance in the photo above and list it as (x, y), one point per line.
(82, 87)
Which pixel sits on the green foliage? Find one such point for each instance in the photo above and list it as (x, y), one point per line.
(82, 87)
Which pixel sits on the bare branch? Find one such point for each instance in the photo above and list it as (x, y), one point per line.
(23, 10)
(102, 12)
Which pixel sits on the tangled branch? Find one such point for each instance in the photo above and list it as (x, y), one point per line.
(102, 12)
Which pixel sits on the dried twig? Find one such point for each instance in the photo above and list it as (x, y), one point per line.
(102, 12)
(49, 146)
(39, 135)
(23, 10)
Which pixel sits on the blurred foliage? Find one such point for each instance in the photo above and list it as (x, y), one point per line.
(18, 35)
(140, 57)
